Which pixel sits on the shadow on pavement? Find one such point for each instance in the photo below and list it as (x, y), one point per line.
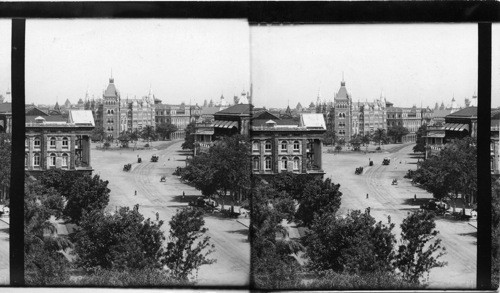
(473, 234)
(417, 202)
(4, 230)
(241, 231)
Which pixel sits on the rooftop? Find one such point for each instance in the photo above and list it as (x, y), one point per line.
(466, 112)
(6, 108)
(239, 109)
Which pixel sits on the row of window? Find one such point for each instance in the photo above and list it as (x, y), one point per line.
(52, 142)
(51, 160)
(283, 163)
(111, 111)
(284, 146)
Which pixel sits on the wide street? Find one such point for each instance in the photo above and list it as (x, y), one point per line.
(230, 237)
(384, 199)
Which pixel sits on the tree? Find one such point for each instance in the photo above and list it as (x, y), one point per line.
(452, 172)
(397, 132)
(5, 155)
(495, 228)
(355, 142)
(187, 250)
(224, 168)
(98, 134)
(59, 179)
(320, 197)
(87, 194)
(189, 137)
(148, 133)
(420, 249)
(134, 136)
(379, 136)
(124, 139)
(164, 130)
(420, 146)
(119, 241)
(354, 244)
(44, 265)
(329, 138)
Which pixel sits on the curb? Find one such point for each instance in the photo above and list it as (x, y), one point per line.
(473, 225)
(6, 222)
(242, 223)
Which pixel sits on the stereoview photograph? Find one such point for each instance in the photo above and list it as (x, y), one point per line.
(115, 194)
(364, 156)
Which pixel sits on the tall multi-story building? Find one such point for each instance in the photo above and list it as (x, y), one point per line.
(179, 115)
(135, 114)
(58, 142)
(108, 113)
(280, 145)
(342, 104)
(372, 116)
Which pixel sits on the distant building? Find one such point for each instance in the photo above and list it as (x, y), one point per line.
(108, 113)
(233, 120)
(136, 114)
(57, 142)
(371, 116)
(343, 113)
(179, 115)
(280, 145)
(5, 117)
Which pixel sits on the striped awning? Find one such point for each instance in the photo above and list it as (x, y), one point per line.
(456, 127)
(225, 124)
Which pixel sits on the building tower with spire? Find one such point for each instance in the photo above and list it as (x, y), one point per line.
(343, 113)
(109, 110)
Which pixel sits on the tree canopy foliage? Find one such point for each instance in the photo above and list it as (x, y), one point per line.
(164, 130)
(495, 228)
(451, 172)
(420, 146)
(189, 137)
(397, 132)
(148, 133)
(5, 155)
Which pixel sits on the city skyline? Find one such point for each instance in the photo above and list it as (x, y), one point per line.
(408, 64)
(180, 60)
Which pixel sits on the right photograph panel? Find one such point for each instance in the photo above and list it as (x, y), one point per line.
(364, 156)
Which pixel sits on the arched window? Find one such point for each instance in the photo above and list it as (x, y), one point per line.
(65, 143)
(283, 146)
(52, 142)
(296, 146)
(109, 112)
(64, 162)
(255, 163)
(268, 146)
(52, 159)
(296, 162)
(284, 164)
(26, 160)
(36, 160)
(37, 142)
(255, 146)
(112, 111)
(268, 163)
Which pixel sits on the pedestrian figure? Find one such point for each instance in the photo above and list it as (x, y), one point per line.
(415, 198)
(367, 196)
(389, 219)
(136, 207)
(368, 210)
(169, 159)
(157, 216)
(183, 194)
(135, 193)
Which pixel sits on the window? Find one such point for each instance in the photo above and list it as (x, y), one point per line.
(255, 163)
(268, 163)
(65, 143)
(284, 163)
(296, 146)
(26, 160)
(26, 142)
(37, 142)
(52, 142)
(64, 162)
(36, 160)
(283, 146)
(296, 161)
(255, 146)
(268, 146)
(52, 160)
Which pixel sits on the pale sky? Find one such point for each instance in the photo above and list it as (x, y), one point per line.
(180, 59)
(409, 64)
(495, 65)
(5, 56)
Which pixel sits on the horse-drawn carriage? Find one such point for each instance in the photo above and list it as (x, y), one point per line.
(154, 158)
(127, 167)
(206, 204)
(394, 182)
(358, 171)
(386, 161)
(139, 160)
(163, 178)
(438, 207)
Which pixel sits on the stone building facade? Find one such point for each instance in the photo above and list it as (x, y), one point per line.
(52, 142)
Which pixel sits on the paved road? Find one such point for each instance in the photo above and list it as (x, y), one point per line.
(4, 254)
(232, 249)
(396, 200)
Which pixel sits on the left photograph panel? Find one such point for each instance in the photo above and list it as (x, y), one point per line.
(5, 145)
(112, 108)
